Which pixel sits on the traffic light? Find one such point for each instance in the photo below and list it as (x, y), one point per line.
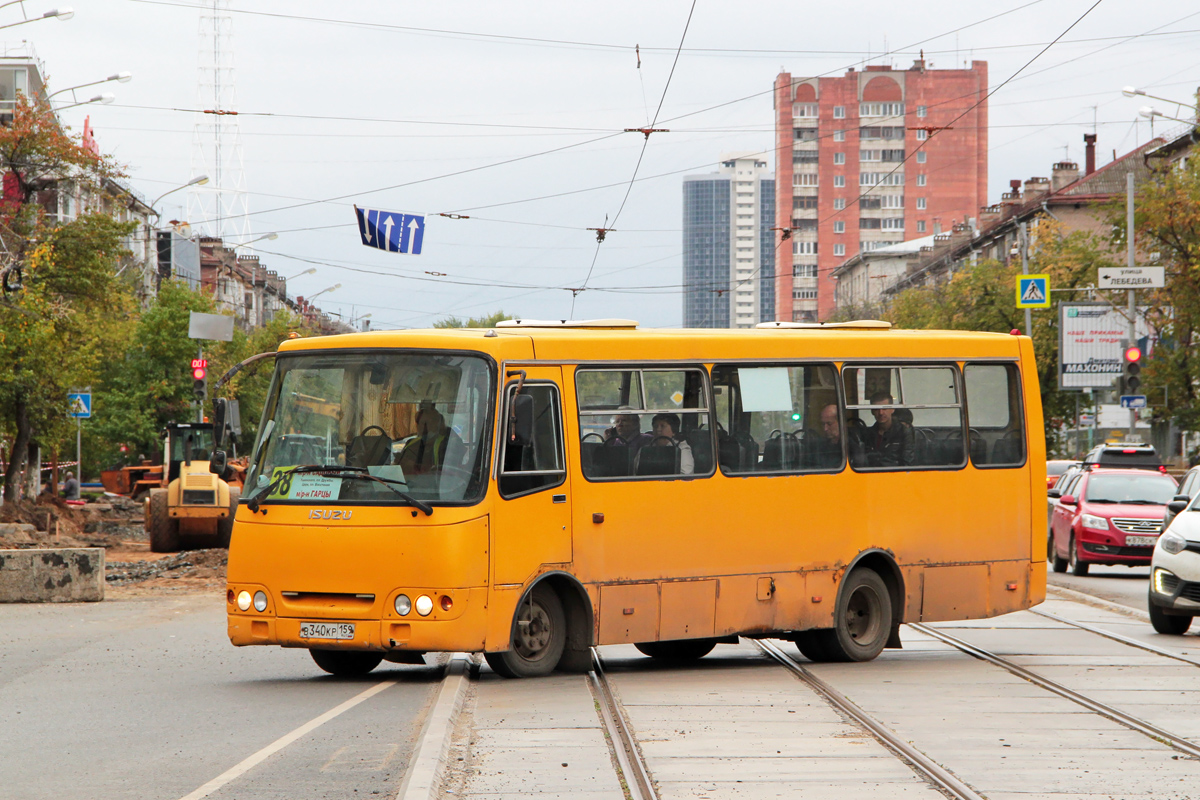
(1131, 381)
(200, 378)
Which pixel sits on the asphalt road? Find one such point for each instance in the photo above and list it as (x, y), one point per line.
(146, 698)
(1124, 585)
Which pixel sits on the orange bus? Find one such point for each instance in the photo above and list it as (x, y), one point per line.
(534, 489)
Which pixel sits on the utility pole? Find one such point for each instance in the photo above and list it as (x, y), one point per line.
(1024, 235)
(1129, 258)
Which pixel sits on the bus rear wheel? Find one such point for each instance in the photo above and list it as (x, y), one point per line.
(680, 650)
(539, 636)
(862, 620)
(346, 663)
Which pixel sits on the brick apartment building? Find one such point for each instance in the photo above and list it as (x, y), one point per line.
(839, 138)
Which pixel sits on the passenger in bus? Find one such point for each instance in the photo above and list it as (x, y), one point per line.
(627, 432)
(436, 444)
(890, 442)
(666, 426)
(827, 449)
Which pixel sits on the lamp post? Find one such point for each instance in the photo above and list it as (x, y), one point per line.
(268, 236)
(105, 97)
(323, 291)
(308, 271)
(199, 180)
(63, 14)
(1131, 91)
(120, 77)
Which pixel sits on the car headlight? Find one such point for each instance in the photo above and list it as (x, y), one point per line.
(244, 601)
(1160, 577)
(260, 601)
(424, 605)
(1092, 521)
(403, 605)
(1172, 542)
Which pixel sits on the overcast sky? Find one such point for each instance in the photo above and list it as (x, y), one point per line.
(372, 103)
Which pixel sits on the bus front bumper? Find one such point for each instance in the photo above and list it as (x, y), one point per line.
(465, 632)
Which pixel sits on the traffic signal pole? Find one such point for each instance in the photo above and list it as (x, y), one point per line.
(1129, 258)
(200, 400)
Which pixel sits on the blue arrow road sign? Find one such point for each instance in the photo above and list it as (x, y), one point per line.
(1133, 401)
(391, 231)
(81, 404)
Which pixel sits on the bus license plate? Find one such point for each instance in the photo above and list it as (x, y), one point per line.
(326, 630)
(1140, 541)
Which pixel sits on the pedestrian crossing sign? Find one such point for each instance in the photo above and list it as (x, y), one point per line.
(1033, 291)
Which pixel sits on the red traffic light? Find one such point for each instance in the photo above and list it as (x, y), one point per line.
(1133, 355)
(199, 372)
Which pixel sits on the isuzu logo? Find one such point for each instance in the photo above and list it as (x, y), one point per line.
(324, 513)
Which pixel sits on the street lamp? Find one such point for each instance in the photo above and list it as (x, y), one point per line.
(323, 291)
(1150, 113)
(106, 98)
(268, 236)
(308, 271)
(199, 180)
(119, 77)
(62, 13)
(1131, 91)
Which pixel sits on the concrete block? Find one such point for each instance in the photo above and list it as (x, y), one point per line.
(64, 575)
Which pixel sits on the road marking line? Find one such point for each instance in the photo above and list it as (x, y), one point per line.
(274, 747)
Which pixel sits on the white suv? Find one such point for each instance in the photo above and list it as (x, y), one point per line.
(1175, 571)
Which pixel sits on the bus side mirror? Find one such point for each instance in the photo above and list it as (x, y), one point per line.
(520, 420)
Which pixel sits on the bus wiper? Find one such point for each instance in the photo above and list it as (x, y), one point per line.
(362, 473)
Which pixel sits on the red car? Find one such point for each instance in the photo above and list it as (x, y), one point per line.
(1108, 516)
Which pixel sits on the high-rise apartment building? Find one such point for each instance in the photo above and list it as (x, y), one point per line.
(870, 159)
(728, 247)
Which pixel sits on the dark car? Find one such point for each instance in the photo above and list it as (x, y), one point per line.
(1123, 454)
(1056, 469)
(1108, 516)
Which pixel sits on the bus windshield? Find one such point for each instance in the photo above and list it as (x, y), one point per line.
(417, 423)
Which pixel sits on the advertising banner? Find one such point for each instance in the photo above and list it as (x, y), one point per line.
(1089, 343)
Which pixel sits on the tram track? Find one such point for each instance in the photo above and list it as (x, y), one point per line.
(624, 744)
(1137, 724)
(1116, 637)
(940, 777)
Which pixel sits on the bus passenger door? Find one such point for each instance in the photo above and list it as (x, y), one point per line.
(529, 525)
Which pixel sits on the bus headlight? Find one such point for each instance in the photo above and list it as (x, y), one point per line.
(403, 605)
(244, 601)
(260, 601)
(424, 605)
(1094, 522)
(1172, 543)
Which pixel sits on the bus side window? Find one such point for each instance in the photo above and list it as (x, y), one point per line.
(643, 423)
(994, 414)
(781, 419)
(533, 463)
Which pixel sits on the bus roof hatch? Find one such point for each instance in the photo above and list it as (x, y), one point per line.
(603, 324)
(857, 324)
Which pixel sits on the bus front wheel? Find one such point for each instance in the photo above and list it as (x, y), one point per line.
(346, 663)
(681, 650)
(862, 619)
(809, 643)
(538, 638)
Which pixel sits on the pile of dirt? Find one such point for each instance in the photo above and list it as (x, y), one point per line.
(52, 522)
(191, 568)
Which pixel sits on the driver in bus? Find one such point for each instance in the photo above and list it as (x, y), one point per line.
(435, 441)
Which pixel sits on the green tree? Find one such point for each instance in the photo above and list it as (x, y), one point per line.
(61, 298)
(486, 321)
(981, 297)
